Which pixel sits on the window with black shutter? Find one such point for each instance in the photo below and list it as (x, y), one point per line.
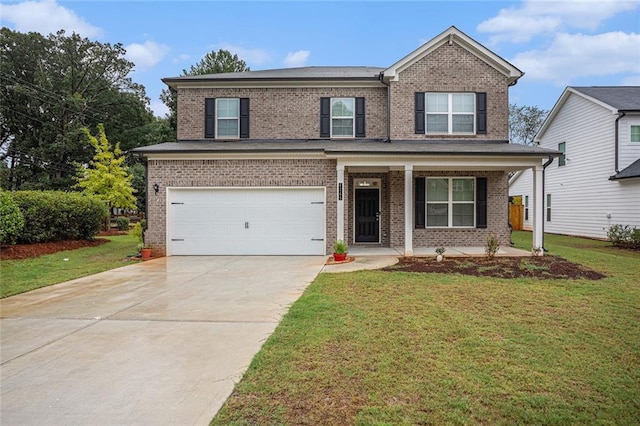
(209, 118)
(420, 205)
(481, 202)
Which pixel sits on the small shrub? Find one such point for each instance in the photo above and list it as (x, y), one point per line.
(624, 236)
(340, 247)
(11, 219)
(137, 233)
(440, 250)
(57, 215)
(122, 223)
(492, 246)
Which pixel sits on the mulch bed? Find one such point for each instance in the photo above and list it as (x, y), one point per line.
(544, 267)
(26, 251)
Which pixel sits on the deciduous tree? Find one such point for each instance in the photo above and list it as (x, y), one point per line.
(525, 122)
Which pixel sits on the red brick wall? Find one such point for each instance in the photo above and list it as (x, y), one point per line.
(281, 113)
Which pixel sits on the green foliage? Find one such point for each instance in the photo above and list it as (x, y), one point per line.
(137, 232)
(624, 236)
(492, 246)
(51, 87)
(57, 215)
(525, 122)
(138, 171)
(340, 247)
(440, 250)
(122, 223)
(212, 63)
(11, 219)
(106, 177)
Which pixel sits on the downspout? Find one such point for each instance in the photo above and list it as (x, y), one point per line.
(617, 142)
(544, 167)
(381, 77)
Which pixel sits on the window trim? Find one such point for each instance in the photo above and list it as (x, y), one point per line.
(631, 126)
(217, 119)
(548, 208)
(352, 117)
(450, 113)
(450, 202)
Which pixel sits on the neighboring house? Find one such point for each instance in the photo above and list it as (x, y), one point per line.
(595, 183)
(287, 161)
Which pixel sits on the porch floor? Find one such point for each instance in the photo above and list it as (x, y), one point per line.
(431, 251)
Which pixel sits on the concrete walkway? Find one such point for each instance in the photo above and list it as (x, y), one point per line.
(162, 342)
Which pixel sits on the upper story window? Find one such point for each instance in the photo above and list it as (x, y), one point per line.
(226, 118)
(450, 113)
(562, 160)
(635, 133)
(342, 117)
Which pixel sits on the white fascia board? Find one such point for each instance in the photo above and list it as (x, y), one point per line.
(277, 84)
(235, 156)
(453, 35)
(445, 162)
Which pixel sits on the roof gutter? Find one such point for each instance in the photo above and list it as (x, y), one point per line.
(381, 77)
(617, 141)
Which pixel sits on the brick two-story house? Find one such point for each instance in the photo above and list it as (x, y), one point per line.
(287, 161)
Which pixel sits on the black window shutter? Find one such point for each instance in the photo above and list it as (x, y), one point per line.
(325, 117)
(481, 202)
(481, 113)
(244, 117)
(419, 106)
(360, 133)
(209, 118)
(420, 202)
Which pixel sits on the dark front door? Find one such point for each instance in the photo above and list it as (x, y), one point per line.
(367, 215)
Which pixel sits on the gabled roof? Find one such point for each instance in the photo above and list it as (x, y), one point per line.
(454, 35)
(286, 74)
(632, 171)
(614, 98)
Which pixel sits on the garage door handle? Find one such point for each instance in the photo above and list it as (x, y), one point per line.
(246, 225)
(317, 202)
(177, 203)
(177, 239)
(317, 239)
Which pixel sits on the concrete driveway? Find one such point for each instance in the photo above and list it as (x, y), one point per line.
(161, 342)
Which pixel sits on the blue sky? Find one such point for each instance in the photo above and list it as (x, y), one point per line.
(556, 43)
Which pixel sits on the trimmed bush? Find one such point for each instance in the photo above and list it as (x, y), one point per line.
(122, 223)
(624, 236)
(11, 219)
(57, 215)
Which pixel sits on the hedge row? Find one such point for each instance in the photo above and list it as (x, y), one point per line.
(56, 215)
(11, 219)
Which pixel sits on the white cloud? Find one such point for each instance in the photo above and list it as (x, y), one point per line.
(633, 80)
(146, 55)
(180, 58)
(250, 56)
(46, 17)
(159, 108)
(542, 17)
(572, 56)
(296, 59)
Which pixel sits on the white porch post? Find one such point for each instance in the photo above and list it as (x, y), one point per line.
(538, 207)
(408, 210)
(340, 207)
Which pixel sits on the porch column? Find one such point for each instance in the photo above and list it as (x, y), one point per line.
(538, 207)
(340, 206)
(408, 210)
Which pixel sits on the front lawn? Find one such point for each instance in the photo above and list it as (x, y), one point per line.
(375, 347)
(23, 275)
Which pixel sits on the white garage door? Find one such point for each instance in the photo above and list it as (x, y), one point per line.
(246, 221)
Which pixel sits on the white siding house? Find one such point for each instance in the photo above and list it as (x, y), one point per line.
(597, 183)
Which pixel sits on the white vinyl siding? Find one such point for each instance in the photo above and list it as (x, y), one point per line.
(583, 195)
(450, 113)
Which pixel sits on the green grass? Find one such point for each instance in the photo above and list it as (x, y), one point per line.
(381, 348)
(19, 276)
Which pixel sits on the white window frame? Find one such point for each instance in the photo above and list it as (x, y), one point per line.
(352, 117)
(562, 160)
(237, 118)
(631, 126)
(450, 202)
(450, 113)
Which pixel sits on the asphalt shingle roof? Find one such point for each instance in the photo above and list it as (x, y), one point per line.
(362, 147)
(623, 98)
(632, 171)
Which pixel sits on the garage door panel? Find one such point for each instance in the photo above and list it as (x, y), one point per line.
(246, 221)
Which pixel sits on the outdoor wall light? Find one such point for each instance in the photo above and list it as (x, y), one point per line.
(156, 188)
